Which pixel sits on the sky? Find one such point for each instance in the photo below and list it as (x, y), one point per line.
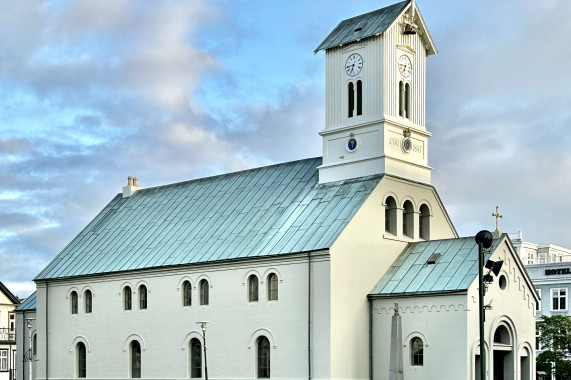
(92, 92)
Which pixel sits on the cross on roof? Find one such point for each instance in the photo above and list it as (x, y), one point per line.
(497, 215)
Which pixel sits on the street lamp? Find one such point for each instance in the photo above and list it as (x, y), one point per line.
(484, 240)
(29, 324)
(203, 328)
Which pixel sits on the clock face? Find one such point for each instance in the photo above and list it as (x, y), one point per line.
(405, 67)
(351, 144)
(354, 64)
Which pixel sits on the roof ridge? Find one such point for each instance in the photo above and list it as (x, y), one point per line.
(226, 174)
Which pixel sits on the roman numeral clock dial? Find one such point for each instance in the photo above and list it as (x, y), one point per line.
(354, 64)
(405, 66)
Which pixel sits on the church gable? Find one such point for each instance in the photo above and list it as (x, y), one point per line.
(272, 210)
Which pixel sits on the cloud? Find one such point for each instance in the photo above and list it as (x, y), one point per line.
(497, 111)
(94, 91)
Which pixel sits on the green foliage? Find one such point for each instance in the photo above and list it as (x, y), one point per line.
(555, 339)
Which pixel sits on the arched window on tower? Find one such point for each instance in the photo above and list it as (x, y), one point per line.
(408, 219)
(351, 99)
(407, 101)
(391, 215)
(424, 223)
(359, 98)
(401, 98)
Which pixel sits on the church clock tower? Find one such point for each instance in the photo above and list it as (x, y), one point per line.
(375, 96)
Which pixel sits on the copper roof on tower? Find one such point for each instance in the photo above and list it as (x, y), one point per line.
(363, 26)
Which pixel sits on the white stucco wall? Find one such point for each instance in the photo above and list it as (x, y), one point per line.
(440, 321)
(359, 258)
(166, 327)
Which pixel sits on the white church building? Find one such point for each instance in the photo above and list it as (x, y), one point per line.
(297, 266)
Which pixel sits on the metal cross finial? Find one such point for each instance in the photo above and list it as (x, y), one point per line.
(497, 215)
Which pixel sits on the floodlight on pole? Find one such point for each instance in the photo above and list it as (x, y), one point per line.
(484, 240)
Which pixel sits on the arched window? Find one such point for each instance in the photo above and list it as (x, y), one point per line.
(272, 282)
(81, 360)
(142, 297)
(391, 215)
(88, 301)
(424, 223)
(135, 359)
(195, 358)
(263, 348)
(416, 351)
(186, 293)
(204, 292)
(359, 98)
(401, 98)
(407, 101)
(351, 98)
(74, 302)
(253, 288)
(408, 219)
(127, 294)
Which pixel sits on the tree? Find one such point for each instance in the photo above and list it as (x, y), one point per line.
(555, 339)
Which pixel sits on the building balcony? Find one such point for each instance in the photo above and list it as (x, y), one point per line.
(7, 335)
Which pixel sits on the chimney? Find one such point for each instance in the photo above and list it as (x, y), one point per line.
(131, 188)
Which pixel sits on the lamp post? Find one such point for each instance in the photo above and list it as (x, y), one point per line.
(484, 240)
(203, 328)
(31, 349)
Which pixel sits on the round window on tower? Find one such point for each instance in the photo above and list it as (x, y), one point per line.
(352, 144)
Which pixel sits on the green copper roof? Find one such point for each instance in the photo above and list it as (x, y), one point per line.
(374, 23)
(272, 210)
(454, 269)
(28, 304)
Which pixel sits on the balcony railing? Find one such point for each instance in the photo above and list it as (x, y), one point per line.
(7, 335)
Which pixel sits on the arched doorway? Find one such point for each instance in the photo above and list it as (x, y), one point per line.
(525, 364)
(503, 352)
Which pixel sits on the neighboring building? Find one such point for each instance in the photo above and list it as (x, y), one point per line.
(8, 303)
(549, 267)
(281, 259)
(531, 253)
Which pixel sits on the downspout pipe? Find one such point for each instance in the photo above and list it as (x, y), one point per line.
(309, 315)
(47, 332)
(370, 338)
(23, 345)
